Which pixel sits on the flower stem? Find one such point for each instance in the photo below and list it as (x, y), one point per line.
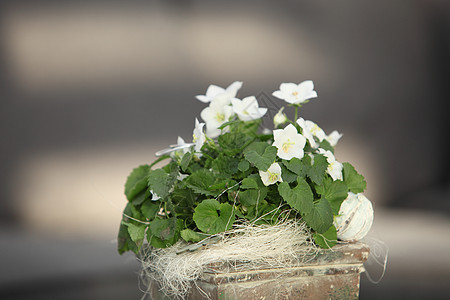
(296, 117)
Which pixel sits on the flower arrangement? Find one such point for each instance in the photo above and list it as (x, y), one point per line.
(233, 172)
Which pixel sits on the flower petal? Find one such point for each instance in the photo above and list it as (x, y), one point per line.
(288, 87)
(203, 98)
(233, 88)
(214, 90)
(278, 94)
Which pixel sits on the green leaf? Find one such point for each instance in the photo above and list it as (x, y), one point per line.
(136, 181)
(183, 198)
(249, 197)
(165, 237)
(300, 197)
(335, 192)
(124, 241)
(326, 146)
(260, 209)
(186, 160)
(137, 233)
(190, 235)
(248, 127)
(320, 218)
(164, 229)
(243, 165)
(327, 239)
(141, 197)
(268, 213)
(249, 183)
(297, 166)
(161, 228)
(213, 217)
(201, 181)
(259, 190)
(232, 143)
(287, 175)
(149, 209)
(353, 179)
(228, 124)
(259, 147)
(224, 165)
(160, 182)
(164, 157)
(136, 213)
(317, 171)
(262, 161)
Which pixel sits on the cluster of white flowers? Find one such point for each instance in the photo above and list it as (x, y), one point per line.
(290, 143)
(223, 104)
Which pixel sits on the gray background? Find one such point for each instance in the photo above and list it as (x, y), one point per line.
(90, 90)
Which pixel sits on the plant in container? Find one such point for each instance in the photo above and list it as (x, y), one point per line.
(242, 211)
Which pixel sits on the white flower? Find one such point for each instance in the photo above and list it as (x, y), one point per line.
(279, 118)
(217, 113)
(296, 93)
(154, 196)
(334, 167)
(181, 142)
(214, 90)
(181, 146)
(311, 130)
(289, 142)
(181, 177)
(198, 135)
(248, 109)
(333, 138)
(266, 131)
(272, 175)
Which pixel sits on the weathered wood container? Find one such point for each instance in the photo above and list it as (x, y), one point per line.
(332, 274)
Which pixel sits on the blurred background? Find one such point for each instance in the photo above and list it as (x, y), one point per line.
(91, 89)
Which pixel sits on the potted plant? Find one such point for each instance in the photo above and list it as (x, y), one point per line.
(240, 200)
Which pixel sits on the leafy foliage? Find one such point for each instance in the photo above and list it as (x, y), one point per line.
(335, 192)
(261, 159)
(196, 195)
(353, 179)
(327, 239)
(137, 181)
(300, 197)
(213, 217)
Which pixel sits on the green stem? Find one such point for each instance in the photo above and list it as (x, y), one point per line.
(207, 156)
(296, 117)
(211, 143)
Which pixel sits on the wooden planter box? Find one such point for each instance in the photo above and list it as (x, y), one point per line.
(332, 274)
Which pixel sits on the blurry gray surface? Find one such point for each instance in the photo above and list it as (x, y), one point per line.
(37, 266)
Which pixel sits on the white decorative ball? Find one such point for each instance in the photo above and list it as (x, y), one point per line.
(355, 218)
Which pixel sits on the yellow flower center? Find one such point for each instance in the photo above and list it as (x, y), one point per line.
(315, 129)
(295, 94)
(194, 138)
(287, 145)
(220, 117)
(273, 176)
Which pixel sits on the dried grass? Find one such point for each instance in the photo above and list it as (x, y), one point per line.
(245, 247)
